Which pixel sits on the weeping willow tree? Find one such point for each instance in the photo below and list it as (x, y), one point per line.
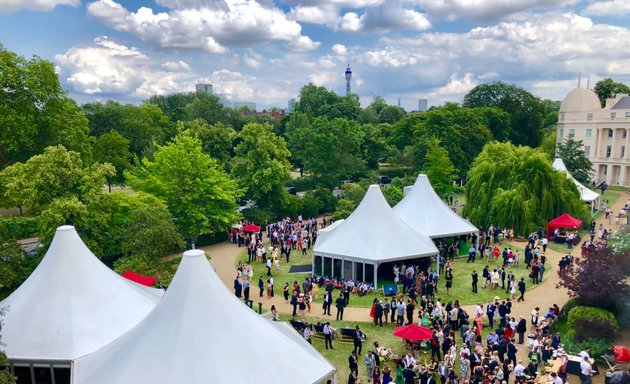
(510, 186)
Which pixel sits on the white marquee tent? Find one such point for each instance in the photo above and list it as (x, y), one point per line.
(423, 210)
(201, 333)
(71, 305)
(373, 234)
(587, 195)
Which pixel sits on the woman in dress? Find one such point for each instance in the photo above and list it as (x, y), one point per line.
(464, 365)
(376, 375)
(387, 374)
(512, 289)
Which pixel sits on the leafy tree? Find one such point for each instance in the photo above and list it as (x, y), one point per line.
(498, 122)
(330, 149)
(516, 187)
(319, 102)
(391, 114)
(34, 110)
(352, 195)
(592, 280)
(197, 191)
(15, 265)
(173, 105)
(439, 168)
(608, 88)
(217, 140)
(55, 174)
(394, 192)
(210, 109)
(526, 110)
(548, 144)
(113, 148)
(296, 129)
(5, 374)
(261, 166)
(572, 154)
(551, 108)
(151, 225)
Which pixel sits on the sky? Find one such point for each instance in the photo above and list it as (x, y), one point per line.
(265, 51)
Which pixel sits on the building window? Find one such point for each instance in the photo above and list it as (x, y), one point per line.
(613, 115)
(608, 150)
(623, 151)
(589, 116)
(610, 133)
(561, 133)
(627, 115)
(587, 150)
(561, 115)
(571, 133)
(624, 134)
(589, 133)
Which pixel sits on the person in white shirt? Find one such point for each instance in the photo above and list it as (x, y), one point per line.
(519, 370)
(555, 379)
(586, 353)
(586, 371)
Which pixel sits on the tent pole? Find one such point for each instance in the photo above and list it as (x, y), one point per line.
(375, 280)
(437, 263)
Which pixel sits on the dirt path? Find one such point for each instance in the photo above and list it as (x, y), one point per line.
(546, 294)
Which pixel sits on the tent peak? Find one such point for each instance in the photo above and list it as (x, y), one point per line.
(194, 253)
(65, 228)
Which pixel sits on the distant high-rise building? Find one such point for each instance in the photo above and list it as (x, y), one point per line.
(423, 105)
(348, 78)
(291, 105)
(204, 88)
(245, 104)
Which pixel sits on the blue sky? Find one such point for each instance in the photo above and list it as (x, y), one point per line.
(264, 51)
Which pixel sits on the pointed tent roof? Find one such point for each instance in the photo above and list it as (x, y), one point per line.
(71, 305)
(565, 221)
(424, 211)
(586, 194)
(199, 332)
(373, 232)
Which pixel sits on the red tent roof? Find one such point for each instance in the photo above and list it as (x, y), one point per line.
(622, 354)
(140, 279)
(251, 228)
(413, 332)
(565, 221)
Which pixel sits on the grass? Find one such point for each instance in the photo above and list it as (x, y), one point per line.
(461, 283)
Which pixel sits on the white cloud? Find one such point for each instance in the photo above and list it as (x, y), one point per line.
(455, 89)
(486, 10)
(323, 15)
(233, 85)
(304, 43)
(608, 8)
(105, 67)
(391, 16)
(9, 6)
(210, 29)
(339, 49)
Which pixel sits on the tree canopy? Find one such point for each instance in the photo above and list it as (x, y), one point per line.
(607, 88)
(200, 195)
(571, 152)
(34, 110)
(319, 102)
(439, 168)
(526, 110)
(516, 187)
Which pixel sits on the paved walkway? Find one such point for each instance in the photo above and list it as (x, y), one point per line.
(225, 255)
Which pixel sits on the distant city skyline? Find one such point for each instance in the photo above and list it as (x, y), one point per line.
(264, 51)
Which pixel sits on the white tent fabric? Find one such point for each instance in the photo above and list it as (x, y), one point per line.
(71, 305)
(374, 233)
(201, 333)
(424, 211)
(586, 194)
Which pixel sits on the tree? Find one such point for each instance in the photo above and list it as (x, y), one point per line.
(34, 110)
(56, 174)
(113, 148)
(353, 193)
(526, 110)
(572, 154)
(15, 265)
(261, 166)
(151, 225)
(197, 191)
(173, 105)
(394, 192)
(319, 102)
(439, 168)
(592, 280)
(217, 140)
(608, 88)
(548, 144)
(516, 187)
(5, 374)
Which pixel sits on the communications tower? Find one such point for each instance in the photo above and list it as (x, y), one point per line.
(348, 78)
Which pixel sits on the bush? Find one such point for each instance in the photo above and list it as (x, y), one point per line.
(568, 306)
(593, 323)
(145, 266)
(18, 227)
(302, 183)
(256, 215)
(598, 346)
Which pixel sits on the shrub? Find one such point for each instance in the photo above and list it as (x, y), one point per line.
(569, 305)
(256, 215)
(327, 199)
(598, 346)
(593, 323)
(18, 228)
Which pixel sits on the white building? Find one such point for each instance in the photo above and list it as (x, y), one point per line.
(604, 132)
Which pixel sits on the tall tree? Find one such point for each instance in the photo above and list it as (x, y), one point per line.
(608, 88)
(217, 139)
(572, 154)
(439, 168)
(526, 110)
(261, 166)
(198, 192)
(173, 105)
(517, 187)
(319, 102)
(5, 374)
(34, 110)
(113, 148)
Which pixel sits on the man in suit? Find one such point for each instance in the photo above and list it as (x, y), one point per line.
(511, 352)
(378, 313)
(261, 286)
(357, 339)
(327, 303)
(521, 289)
(521, 328)
(340, 303)
(475, 280)
(328, 335)
(353, 362)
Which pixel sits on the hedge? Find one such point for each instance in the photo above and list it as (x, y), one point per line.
(593, 323)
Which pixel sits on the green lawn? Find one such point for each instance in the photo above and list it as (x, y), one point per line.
(461, 284)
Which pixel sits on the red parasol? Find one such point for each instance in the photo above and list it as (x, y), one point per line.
(622, 354)
(413, 332)
(251, 228)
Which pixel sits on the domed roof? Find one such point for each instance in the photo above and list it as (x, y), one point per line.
(580, 100)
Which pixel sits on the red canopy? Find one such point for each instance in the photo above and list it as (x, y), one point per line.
(251, 228)
(622, 354)
(413, 332)
(140, 279)
(563, 221)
